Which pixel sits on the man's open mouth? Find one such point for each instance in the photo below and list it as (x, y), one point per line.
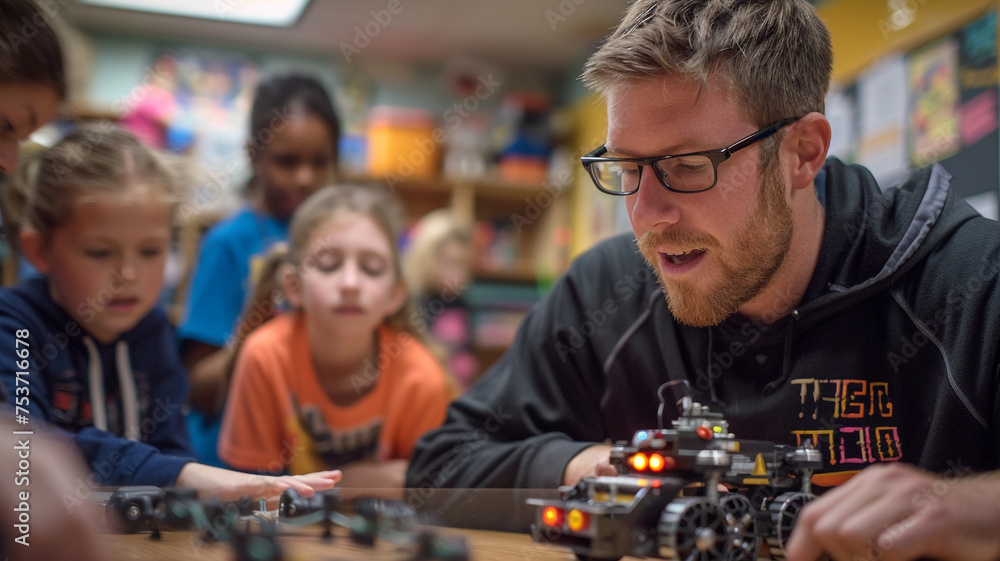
(683, 257)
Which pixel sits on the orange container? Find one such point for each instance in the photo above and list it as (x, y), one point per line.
(402, 142)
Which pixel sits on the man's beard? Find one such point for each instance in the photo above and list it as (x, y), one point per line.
(747, 265)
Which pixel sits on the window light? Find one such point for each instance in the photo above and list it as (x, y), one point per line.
(275, 13)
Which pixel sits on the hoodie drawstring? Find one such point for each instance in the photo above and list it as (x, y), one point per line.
(708, 369)
(97, 409)
(126, 384)
(129, 394)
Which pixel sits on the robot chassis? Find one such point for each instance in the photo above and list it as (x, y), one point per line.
(666, 502)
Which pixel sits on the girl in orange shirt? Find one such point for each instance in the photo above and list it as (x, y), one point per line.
(341, 381)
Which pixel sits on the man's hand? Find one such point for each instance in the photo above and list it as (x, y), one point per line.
(590, 462)
(895, 512)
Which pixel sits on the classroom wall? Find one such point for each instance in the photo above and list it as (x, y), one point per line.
(862, 31)
(121, 62)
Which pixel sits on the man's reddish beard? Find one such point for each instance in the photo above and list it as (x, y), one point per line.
(747, 266)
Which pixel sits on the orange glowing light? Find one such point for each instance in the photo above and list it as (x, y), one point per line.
(577, 520)
(639, 461)
(552, 516)
(656, 462)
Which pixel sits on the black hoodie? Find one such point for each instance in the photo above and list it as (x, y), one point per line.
(891, 355)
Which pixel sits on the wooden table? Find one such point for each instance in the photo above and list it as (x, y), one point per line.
(306, 544)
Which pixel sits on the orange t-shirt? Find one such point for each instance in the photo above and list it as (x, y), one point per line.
(278, 416)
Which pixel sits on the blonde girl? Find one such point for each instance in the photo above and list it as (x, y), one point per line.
(340, 382)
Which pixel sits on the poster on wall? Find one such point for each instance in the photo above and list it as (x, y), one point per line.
(938, 104)
(882, 121)
(976, 166)
(840, 111)
(933, 79)
(205, 100)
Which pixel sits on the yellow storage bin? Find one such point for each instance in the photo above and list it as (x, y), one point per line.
(403, 143)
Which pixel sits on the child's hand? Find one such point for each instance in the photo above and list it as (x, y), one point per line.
(231, 485)
(306, 485)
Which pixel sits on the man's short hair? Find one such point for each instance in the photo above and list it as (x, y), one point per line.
(776, 54)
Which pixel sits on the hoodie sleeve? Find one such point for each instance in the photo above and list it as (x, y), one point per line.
(533, 411)
(118, 461)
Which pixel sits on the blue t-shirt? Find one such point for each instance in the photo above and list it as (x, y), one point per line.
(231, 253)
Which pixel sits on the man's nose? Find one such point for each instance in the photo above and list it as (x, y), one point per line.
(653, 205)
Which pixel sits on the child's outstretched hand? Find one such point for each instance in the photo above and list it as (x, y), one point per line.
(231, 485)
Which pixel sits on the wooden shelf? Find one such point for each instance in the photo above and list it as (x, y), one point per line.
(509, 191)
(517, 274)
(87, 112)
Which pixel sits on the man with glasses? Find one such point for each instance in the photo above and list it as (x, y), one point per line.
(784, 290)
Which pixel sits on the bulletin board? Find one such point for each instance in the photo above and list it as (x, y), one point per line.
(936, 103)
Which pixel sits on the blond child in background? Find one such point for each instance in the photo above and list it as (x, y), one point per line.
(340, 382)
(101, 358)
(437, 263)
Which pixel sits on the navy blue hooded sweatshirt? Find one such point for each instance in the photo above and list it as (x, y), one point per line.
(891, 355)
(120, 403)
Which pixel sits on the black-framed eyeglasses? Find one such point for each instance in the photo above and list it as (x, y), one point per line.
(684, 173)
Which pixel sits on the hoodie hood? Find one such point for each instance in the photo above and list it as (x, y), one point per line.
(871, 237)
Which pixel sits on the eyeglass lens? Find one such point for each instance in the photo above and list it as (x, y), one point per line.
(685, 173)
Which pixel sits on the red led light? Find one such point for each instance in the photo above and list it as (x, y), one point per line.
(552, 517)
(704, 432)
(669, 462)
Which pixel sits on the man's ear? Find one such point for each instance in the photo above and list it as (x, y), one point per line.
(291, 284)
(807, 147)
(35, 250)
